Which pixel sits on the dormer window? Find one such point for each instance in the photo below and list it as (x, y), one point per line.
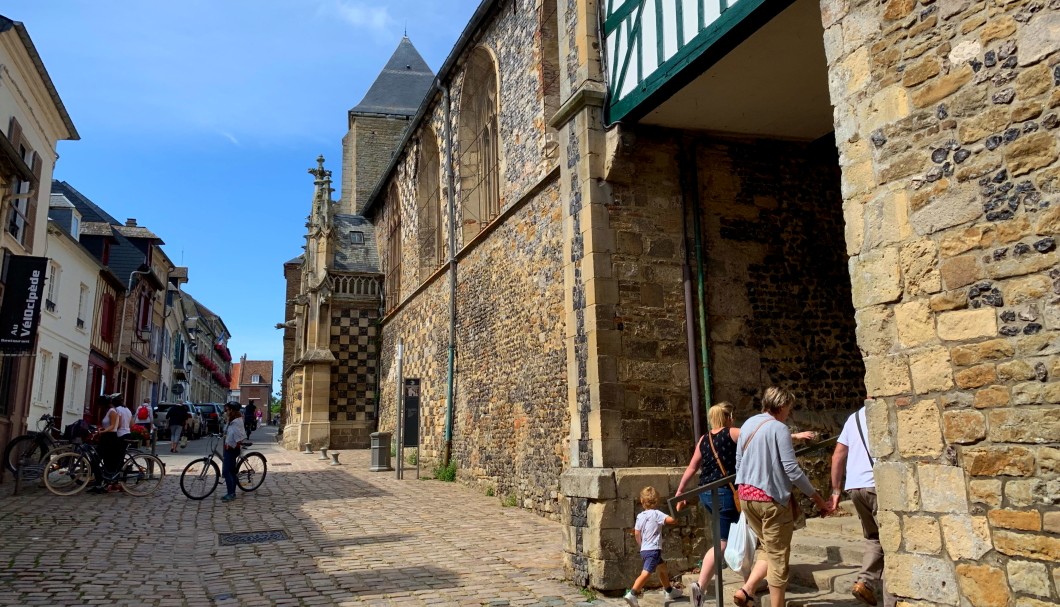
(357, 237)
(256, 379)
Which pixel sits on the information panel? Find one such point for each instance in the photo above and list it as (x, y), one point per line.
(410, 429)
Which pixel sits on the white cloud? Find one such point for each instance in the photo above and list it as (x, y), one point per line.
(359, 15)
(230, 137)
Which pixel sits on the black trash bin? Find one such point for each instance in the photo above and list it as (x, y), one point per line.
(380, 452)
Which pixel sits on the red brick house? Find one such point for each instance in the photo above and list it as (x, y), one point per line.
(252, 382)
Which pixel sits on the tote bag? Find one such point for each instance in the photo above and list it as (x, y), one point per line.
(740, 551)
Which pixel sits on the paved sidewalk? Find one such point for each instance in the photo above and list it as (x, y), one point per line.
(356, 537)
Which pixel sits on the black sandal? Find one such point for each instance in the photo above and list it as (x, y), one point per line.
(746, 601)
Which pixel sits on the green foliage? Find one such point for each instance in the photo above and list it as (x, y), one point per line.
(509, 501)
(489, 491)
(446, 473)
(589, 594)
(412, 458)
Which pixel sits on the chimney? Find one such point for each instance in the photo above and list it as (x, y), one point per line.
(130, 222)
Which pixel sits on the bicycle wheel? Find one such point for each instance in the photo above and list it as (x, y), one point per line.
(22, 447)
(251, 471)
(200, 478)
(142, 474)
(67, 473)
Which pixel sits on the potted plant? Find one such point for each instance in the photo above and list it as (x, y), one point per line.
(139, 434)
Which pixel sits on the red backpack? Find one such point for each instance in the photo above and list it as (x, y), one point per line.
(143, 412)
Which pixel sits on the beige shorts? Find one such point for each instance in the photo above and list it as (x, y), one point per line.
(773, 524)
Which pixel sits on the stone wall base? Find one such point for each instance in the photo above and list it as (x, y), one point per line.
(295, 436)
(598, 509)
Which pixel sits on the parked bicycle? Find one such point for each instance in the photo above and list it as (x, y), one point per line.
(201, 477)
(34, 447)
(69, 472)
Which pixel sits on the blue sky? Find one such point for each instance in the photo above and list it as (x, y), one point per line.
(200, 118)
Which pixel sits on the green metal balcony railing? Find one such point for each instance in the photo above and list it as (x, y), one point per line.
(653, 44)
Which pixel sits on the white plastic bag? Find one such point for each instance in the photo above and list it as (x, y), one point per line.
(740, 551)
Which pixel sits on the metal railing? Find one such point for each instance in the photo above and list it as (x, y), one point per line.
(692, 496)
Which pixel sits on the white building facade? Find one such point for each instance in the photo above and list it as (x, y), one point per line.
(65, 333)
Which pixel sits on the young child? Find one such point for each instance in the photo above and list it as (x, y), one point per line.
(648, 532)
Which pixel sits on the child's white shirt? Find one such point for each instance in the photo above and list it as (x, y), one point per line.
(650, 524)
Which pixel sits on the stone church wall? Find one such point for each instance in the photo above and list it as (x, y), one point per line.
(511, 422)
(946, 117)
(511, 425)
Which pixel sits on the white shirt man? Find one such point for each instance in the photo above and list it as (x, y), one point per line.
(852, 459)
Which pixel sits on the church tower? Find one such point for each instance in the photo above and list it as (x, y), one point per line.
(377, 123)
(334, 289)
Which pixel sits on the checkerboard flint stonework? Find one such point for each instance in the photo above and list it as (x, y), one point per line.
(354, 343)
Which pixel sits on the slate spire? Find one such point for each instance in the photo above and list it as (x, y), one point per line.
(400, 87)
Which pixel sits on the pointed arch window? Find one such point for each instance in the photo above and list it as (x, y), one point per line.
(479, 161)
(392, 259)
(428, 203)
(548, 41)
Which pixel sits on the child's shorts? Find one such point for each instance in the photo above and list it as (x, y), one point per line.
(652, 559)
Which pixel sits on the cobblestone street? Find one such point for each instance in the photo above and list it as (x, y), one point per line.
(356, 537)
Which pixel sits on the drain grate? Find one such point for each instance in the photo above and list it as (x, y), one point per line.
(254, 537)
(281, 464)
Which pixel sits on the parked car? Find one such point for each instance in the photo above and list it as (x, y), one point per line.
(212, 414)
(195, 425)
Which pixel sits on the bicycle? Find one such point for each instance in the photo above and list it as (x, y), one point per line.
(34, 447)
(69, 472)
(201, 477)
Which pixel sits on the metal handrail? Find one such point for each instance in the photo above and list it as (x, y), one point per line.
(715, 523)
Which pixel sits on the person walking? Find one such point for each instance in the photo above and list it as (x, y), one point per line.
(177, 417)
(145, 416)
(249, 419)
(648, 531)
(766, 470)
(715, 458)
(851, 459)
(234, 437)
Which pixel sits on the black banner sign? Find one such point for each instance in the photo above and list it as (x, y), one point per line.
(23, 296)
(410, 429)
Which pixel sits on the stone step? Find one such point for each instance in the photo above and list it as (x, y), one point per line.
(845, 548)
(825, 588)
(821, 576)
(842, 524)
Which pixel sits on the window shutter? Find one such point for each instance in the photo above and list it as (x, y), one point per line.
(31, 208)
(14, 135)
(145, 312)
(106, 318)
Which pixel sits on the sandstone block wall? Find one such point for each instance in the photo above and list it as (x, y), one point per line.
(946, 118)
(366, 152)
